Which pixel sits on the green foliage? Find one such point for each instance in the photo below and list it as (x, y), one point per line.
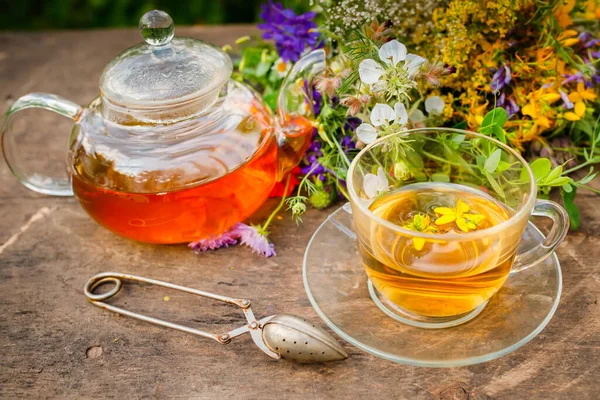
(571, 208)
(65, 14)
(493, 122)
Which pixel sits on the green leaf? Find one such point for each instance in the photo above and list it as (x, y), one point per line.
(571, 208)
(589, 177)
(480, 159)
(586, 126)
(461, 125)
(496, 117)
(567, 188)
(497, 188)
(262, 68)
(503, 166)
(562, 180)
(271, 100)
(554, 174)
(540, 168)
(499, 133)
(414, 158)
(439, 177)
(458, 139)
(493, 160)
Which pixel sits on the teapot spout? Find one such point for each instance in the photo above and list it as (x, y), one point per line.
(295, 110)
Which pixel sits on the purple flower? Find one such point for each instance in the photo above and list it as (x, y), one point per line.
(577, 77)
(584, 37)
(509, 104)
(501, 78)
(567, 103)
(317, 98)
(245, 234)
(589, 43)
(291, 33)
(315, 145)
(351, 124)
(449, 69)
(214, 242)
(580, 77)
(313, 167)
(251, 237)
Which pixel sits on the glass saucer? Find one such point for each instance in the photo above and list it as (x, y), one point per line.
(338, 289)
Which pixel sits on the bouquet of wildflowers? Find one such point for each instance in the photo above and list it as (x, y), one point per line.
(522, 71)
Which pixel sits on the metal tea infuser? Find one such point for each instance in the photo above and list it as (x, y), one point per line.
(279, 336)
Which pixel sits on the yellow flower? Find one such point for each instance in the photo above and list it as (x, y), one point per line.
(582, 94)
(563, 11)
(567, 38)
(539, 111)
(577, 113)
(458, 214)
(420, 223)
(592, 10)
(579, 98)
(475, 117)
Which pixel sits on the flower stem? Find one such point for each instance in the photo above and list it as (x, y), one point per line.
(342, 190)
(586, 187)
(344, 156)
(582, 165)
(281, 203)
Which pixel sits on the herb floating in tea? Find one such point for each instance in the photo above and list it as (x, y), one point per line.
(465, 222)
(420, 223)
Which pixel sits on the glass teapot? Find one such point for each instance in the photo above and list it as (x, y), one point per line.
(173, 150)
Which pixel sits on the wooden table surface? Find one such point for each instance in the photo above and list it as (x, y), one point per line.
(54, 344)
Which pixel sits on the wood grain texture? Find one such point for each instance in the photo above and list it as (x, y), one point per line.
(54, 344)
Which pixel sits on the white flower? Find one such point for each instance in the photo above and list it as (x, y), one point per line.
(375, 184)
(413, 64)
(391, 53)
(434, 105)
(370, 71)
(417, 118)
(281, 67)
(381, 116)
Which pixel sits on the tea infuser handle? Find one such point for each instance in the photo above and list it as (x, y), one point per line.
(34, 180)
(560, 227)
(254, 327)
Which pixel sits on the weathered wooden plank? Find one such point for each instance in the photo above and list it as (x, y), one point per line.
(54, 344)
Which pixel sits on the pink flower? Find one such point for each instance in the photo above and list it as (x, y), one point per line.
(250, 236)
(212, 243)
(435, 71)
(253, 238)
(354, 104)
(328, 84)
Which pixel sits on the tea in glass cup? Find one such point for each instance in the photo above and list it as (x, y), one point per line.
(439, 216)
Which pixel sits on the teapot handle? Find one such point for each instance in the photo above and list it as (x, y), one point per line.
(295, 110)
(38, 182)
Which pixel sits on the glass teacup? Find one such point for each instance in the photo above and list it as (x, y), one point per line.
(439, 214)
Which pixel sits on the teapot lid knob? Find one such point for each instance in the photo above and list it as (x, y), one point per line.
(157, 28)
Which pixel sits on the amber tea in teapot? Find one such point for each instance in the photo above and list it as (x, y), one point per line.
(166, 206)
(173, 150)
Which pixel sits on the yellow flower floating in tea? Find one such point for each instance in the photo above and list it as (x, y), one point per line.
(460, 215)
(420, 223)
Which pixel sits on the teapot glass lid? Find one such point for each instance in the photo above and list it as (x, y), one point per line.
(164, 70)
